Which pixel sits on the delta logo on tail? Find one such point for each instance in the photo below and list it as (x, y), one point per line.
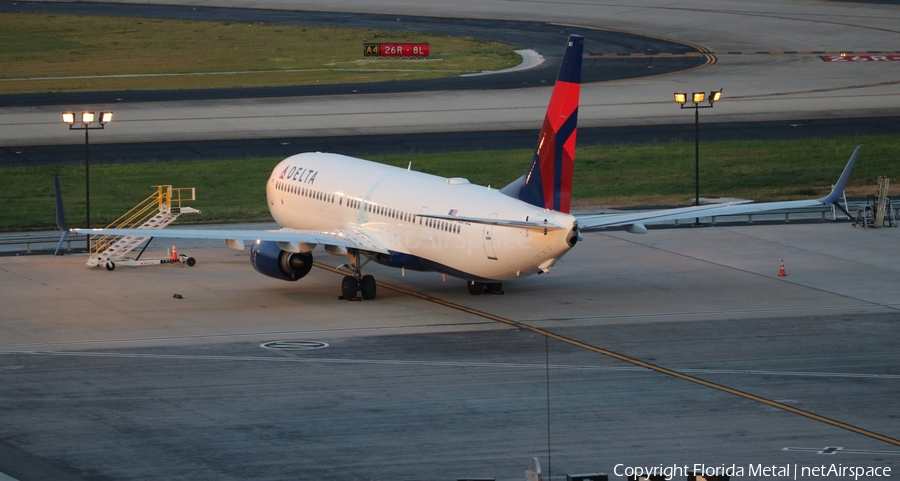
(548, 183)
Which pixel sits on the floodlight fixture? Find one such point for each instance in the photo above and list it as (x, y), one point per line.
(87, 118)
(697, 98)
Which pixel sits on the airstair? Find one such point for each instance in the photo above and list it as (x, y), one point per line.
(884, 211)
(881, 214)
(153, 213)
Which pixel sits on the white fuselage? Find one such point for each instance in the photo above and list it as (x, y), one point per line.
(329, 192)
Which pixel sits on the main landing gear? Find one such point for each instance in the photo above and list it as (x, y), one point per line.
(476, 288)
(356, 282)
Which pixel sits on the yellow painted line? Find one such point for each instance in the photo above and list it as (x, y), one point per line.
(748, 53)
(631, 360)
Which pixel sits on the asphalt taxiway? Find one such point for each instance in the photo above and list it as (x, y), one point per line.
(106, 376)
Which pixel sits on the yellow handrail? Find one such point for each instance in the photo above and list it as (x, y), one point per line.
(160, 201)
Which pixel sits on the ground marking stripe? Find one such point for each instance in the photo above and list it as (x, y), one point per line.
(830, 450)
(399, 362)
(631, 360)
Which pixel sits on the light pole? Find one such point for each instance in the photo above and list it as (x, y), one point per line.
(697, 98)
(87, 118)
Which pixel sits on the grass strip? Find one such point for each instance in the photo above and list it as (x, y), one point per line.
(617, 175)
(56, 48)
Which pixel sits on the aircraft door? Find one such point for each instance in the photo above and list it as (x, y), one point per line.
(362, 213)
(488, 238)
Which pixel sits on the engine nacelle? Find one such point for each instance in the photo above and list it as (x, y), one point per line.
(268, 259)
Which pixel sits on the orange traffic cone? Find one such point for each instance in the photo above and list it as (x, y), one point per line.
(781, 272)
(175, 254)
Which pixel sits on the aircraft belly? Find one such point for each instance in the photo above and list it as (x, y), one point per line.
(513, 253)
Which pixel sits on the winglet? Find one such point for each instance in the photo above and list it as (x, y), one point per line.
(838, 189)
(60, 217)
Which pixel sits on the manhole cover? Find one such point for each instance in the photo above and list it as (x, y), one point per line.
(293, 345)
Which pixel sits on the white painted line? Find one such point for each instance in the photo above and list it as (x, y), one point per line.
(831, 450)
(398, 362)
(234, 334)
(708, 313)
(530, 59)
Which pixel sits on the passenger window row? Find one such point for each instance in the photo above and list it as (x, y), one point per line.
(371, 208)
(305, 192)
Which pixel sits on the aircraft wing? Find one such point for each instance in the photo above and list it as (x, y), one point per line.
(347, 238)
(634, 222)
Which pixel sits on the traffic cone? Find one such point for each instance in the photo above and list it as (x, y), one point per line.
(781, 272)
(175, 256)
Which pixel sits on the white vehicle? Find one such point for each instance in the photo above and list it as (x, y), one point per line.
(401, 218)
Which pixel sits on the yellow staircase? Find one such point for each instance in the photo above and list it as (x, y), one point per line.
(883, 208)
(154, 212)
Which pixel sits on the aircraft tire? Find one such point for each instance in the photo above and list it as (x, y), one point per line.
(367, 287)
(475, 287)
(191, 261)
(349, 287)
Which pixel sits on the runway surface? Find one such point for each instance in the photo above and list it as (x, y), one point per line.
(106, 376)
(757, 87)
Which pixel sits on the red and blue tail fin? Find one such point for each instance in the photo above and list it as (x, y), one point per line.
(548, 182)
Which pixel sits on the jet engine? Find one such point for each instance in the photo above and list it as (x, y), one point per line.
(268, 259)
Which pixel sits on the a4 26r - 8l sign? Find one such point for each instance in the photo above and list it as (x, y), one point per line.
(395, 49)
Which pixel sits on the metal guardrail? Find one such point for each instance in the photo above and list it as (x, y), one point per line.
(826, 212)
(10, 242)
